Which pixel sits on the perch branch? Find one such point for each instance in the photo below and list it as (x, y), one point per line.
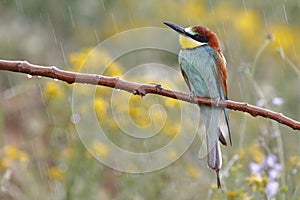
(140, 89)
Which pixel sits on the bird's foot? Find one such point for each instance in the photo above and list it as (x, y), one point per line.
(191, 96)
(216, 101)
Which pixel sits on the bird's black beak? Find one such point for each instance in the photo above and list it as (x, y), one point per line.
(177, 28)
(180, 30)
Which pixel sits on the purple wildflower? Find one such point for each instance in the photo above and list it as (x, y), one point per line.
(270, 160)
(255, 168)
(277, 101)
(272, 188)
(272, 169)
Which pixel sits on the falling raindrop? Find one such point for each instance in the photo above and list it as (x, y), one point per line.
(96, 35)
(63, 53)
(265, 18)
(284, 14)
(245, 7)
(52, 29)
(19, 5)
(114, 22)
(71, 16)
(103, 5)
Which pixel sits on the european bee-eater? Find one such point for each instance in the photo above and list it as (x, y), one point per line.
(203, 67)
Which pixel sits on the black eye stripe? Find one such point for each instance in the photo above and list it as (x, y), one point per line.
(200, 38)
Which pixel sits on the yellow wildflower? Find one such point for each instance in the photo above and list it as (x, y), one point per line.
(193, 171)
(257, 182)
(78, 58)
(171, 103)
(236, 168)
(55, 173)
(52, 90)
(12, 154)
(232, 194)
(171, 129)
(192, 10)
(285, 37)
(114, 70)
(5, 162)
(100, 106)
(99, 149)
(256, 153)
(295, 161)
(241, 153)
(247, 24)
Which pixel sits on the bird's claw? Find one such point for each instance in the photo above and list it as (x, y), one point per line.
(192, 95)
(216, 101)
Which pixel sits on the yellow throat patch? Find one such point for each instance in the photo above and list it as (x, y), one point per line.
(188, 43)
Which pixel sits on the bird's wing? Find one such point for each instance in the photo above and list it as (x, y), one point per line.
(185, 78)
(220, 73)
(193, 77)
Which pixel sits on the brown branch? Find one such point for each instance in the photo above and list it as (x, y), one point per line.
(140, 89)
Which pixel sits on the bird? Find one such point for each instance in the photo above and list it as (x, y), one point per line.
(203, 67)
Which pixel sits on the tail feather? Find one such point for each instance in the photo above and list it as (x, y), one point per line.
(218, 178)
(211, 118)
(214, 156)
(227, 123)
(222, 138)
(214, 159)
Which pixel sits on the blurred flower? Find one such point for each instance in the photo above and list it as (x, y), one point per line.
(100, 106)
(256, 153)
(55, 173)
(115, 69)
(171, 129)
(78, 58)
(258, 182)
(277, 101)
(272, 188)
(12, 154)
(295, 161)
(193, 10)
(247, 23)
(171, 103)
(270, 167)
(255, 168)
(285, 36)
(236, 194)
(193, 171)
(270, 160)
(52, 90)
(99, 149)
